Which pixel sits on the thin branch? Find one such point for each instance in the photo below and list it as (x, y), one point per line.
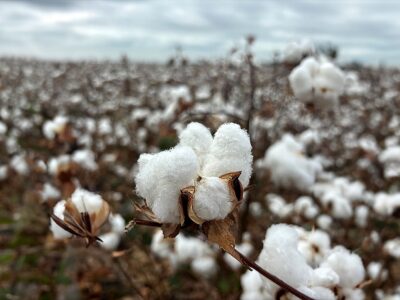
(134, 222)
(288, 288)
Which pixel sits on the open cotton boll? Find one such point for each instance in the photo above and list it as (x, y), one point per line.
(212, 199)
(305, 205)
(278, 206)
(57, 231)
(189, 248)
(295, 51)
(3, 172)
(160, 178)
(50, 192)
(19, 164)
(199, 138)
(347, 265)
(325, 277)
(301, 83)
(392, 247)
(163, 247)
(117, 223)
(204, 266)
(314, 245)
(57, 163)
(53, 127)
(230, 151)
(289, 167)
(253, 286)
(110, 240)
(281, 257)
(386, 204)
(86, 201)
(85, 158)
(3, 128)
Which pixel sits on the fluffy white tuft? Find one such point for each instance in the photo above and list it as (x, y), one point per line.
(230, 151)
(57, 231)
(160, 178)
(199, 138)
(86, 201)
(212, 199)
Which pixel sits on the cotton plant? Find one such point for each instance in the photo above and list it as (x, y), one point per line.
(288, 166)
(306, 261)
(317, 81)
(199, 184)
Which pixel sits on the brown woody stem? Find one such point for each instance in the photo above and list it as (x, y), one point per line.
(146, 223)
(273, 278)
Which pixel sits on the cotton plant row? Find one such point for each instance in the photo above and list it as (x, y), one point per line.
(307, 260)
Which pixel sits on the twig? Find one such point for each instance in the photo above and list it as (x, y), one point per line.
(134, 222)
(253, 265)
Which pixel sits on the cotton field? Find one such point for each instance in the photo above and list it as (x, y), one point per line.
(200, 179)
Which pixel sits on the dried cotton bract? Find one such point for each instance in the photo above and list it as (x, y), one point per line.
(207, 172)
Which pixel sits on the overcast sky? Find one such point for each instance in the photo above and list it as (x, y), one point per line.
(365, 30)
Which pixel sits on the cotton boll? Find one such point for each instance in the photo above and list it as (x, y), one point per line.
(86, 201)
(50, 192)
(204, 266)
(392, 247)
(3, 128)
(57, 231)
(110, 240)
(386, 204)
(3, 172)
(19, 164)
(314, 245)
(162, 247)
(189, 248)
(353, 294)
(86, 159)
(117, 223)
(281, 257)
(361, 215)
(212, 198)
(340, 206)
(347, 265)
(325, 277)
(278, 206)
(375, 271)
(55, 126)
(58, 163)
(289, 167)
(252, 285)
(161, 177)
(301, 83)
(199, 138)
(319, 293)
(305, 205)
(230, 151)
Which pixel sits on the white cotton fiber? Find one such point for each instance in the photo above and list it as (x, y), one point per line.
(325, 277)
(50, 192)
(212, 199)
(85, 158)
(230, 151)
(57, 231)
(386, 204)
(117, 223)
(289, 168)
(347, 265)
(204, 266)
(110, 240)
(86, 201)
(197, 137)
(160, 178)
(281, 257)
(319, 81)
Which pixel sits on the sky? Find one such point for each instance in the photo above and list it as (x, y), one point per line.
(150, 30)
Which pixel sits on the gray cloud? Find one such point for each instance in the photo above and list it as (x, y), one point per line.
(366, 31)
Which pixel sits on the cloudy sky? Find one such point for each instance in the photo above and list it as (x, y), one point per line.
(365, 30)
